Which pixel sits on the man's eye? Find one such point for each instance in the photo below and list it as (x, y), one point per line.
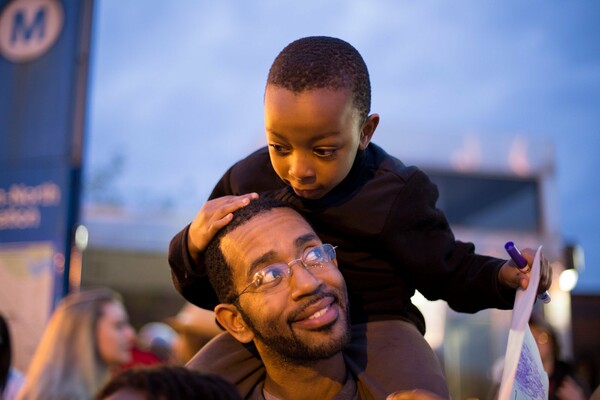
(269, 275)
(316, 255)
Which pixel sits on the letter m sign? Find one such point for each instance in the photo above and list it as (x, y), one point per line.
(28, 28)
(25, 30)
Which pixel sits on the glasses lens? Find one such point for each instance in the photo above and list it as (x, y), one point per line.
(270, 276)
(330, 250)
(319, 255)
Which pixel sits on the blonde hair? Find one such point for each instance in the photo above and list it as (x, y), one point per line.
(66, 364)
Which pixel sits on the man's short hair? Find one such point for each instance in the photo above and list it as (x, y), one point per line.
(322, 62)
(219, 272)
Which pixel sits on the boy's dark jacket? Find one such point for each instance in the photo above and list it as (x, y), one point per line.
(391, 240)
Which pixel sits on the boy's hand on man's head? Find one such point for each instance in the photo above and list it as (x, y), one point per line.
(513, 277)
(213, 216)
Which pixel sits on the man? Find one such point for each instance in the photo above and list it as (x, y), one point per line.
(280, 290)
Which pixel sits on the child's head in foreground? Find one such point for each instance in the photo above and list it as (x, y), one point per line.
(317, 104)
(166, 382)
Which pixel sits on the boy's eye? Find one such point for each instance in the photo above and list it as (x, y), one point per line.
(325, 152)
(279, 148)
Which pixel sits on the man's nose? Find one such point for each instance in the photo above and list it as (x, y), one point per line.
(302, 281)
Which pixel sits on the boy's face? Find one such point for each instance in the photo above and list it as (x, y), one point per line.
(313, 137)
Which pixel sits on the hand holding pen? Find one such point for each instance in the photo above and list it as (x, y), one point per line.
(524, 267)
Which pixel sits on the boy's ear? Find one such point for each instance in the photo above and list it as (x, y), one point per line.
(368, 129)
(231, 320)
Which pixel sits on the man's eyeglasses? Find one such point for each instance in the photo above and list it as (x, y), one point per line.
(315, 259)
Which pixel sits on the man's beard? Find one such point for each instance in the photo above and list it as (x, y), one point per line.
(289, 348)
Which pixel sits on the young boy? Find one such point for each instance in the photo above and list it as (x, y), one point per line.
(380, 213)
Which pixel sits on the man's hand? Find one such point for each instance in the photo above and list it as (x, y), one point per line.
(213, 216)
(513, 277)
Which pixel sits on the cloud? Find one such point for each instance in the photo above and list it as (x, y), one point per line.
(179, 87)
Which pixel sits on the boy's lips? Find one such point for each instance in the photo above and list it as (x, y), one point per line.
(308, 193)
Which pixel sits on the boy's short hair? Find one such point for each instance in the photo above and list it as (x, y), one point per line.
(322, 62)
(219, 272)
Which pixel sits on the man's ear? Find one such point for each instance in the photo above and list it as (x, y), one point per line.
(231, 320)
(368, 129)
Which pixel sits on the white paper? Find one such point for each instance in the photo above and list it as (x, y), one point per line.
(523, 376)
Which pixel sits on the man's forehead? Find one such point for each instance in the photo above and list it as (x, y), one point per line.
(264, 232)
(279, 217)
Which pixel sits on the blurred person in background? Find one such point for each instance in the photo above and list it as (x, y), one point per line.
(195, 327)
(87, 336)
(167, 382)
(564, 384)
(596, 394)
(154, 345)
(10, 378)
(585, 367)
(141, 353)
(159, 339)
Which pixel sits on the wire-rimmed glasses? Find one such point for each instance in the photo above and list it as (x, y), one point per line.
(315, 259)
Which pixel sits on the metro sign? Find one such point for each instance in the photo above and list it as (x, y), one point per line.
(29, 28)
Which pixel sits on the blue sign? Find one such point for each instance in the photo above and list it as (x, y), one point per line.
(44, 52)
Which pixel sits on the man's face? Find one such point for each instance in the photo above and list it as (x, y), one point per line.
(313, 137)
(307, 319)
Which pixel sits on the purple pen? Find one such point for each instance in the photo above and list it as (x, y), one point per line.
(521, 263)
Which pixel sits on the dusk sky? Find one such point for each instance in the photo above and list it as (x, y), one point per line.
(176, 92)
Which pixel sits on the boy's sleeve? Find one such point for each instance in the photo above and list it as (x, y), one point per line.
(423, 245)
(252, 174)
(189, 276)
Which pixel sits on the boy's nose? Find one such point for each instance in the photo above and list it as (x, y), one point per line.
(301, 169)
